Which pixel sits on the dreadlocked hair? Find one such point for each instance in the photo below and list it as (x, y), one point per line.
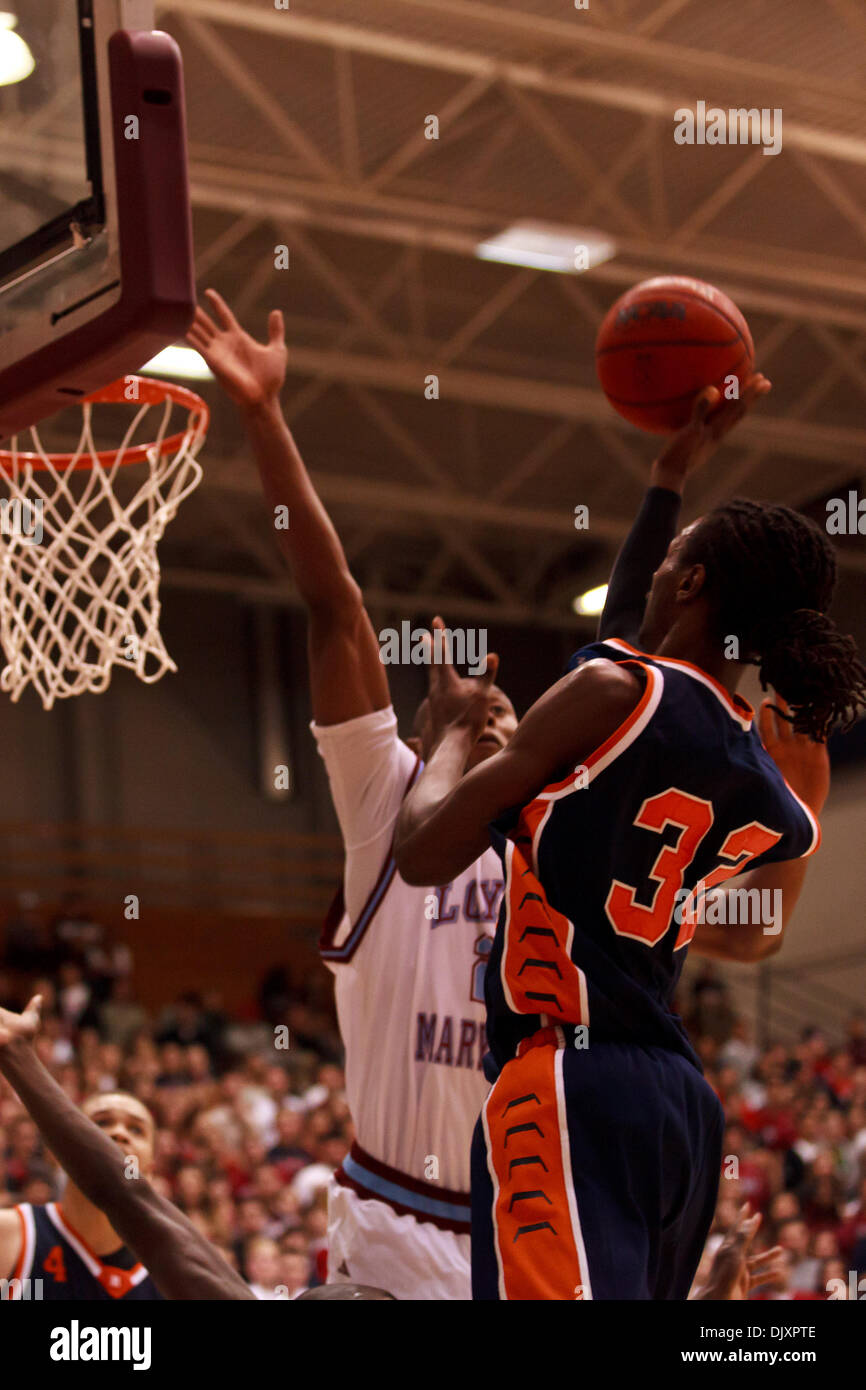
(770, 575)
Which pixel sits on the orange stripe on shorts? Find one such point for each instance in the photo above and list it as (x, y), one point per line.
(533, 1195)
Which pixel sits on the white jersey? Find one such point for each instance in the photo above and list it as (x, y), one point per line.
(409, 969)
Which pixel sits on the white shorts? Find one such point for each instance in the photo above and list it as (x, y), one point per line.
(370, 1243)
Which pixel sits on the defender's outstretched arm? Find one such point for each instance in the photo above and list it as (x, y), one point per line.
(347, 677)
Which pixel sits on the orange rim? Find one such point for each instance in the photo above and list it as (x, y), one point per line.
(149, 392)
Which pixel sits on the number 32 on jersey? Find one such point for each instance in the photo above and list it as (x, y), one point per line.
(694, 817)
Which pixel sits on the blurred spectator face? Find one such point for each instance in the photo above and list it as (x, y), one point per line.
(198, 1063)
(201, 1223)
(219, 1190)
(166, 1146)
(781, 1281)
(333, 1150)
(826, 1245)
(296, 1243)
(171, 1059)
(93, 1078)
(785, 1207)
(331, 1076)
(277, 1082)
(231, 1085)
(286, 1205)
(316, 1223)
(255, 1152)
(824, 1166)
(262, 1261)
(290, 1123)
(794, 1236)
(222, 1217)
(294, 1272)
(190, 1187)
(269, 1184)
(24, 1141)
(38, 1192)
(111, 1059)
(834, 1270)
(125, 1120)
(252, 1217)
(88, 1044)
(318, 1124)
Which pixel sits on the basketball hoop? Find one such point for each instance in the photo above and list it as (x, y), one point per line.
(79, 573)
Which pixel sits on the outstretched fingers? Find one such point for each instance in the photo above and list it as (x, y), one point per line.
(224, 316)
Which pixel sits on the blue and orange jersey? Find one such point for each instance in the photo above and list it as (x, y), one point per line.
(56, 1263)
(605, 869)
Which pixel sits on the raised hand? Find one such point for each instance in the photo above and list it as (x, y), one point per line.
(249, 372)
(803, 763)
(455, 700)
(23, 1026)
(730, 1275)
(712, 419)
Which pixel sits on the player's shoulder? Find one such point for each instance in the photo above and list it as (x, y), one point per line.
(605, 675)
(10, 1239)
(10, 1218)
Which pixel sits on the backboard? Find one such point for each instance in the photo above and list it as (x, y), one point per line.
(96, 264)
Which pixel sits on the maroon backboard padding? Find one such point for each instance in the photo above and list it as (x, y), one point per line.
(157, 300)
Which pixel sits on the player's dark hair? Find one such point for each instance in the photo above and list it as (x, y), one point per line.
(770, 575)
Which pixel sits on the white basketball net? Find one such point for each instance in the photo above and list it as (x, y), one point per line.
(79, 574)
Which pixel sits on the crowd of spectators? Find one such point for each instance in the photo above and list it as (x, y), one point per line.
(250, 1130)
(251, 1114)
(795, 1143)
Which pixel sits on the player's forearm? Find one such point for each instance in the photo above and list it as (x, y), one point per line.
(778, 888)
(421, 855)
(142, 1218)
(309, 543)
(640, 556)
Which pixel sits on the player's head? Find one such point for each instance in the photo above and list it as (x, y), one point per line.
(129, 1123)
(763, 574)
(501, 724)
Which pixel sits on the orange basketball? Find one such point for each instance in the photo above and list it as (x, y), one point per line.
(665, 340)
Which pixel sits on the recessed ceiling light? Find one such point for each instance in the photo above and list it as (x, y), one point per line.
(179, 361)
(565, 250)
(16, 60)
(591, 603)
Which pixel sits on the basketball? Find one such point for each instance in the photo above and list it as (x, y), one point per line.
(665, 340)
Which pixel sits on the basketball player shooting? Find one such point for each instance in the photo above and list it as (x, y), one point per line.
(634, 786)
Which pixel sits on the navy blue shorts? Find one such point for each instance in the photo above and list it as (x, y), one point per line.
(594, 1173)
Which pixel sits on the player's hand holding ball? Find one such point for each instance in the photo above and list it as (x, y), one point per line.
(712, 418)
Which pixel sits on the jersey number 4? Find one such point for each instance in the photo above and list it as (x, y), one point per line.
(694, 817)
(53, 1264)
